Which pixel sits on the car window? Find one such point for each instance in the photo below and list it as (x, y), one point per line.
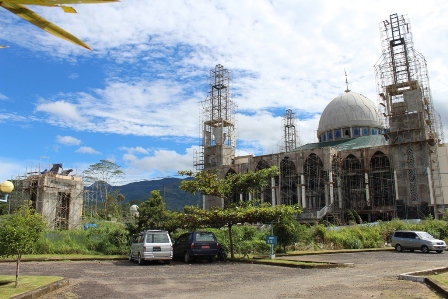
(161, 238)
(412, 235)
(205, 237)
(398, 234)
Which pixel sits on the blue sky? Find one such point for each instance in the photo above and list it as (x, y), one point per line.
(135, 98)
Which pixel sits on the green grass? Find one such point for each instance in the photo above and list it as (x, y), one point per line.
(26, 284)
(442, 278)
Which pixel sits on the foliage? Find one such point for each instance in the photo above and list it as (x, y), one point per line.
(210, 183)
(19, 234)
(287, 231)
(103, 175)
(108, 238)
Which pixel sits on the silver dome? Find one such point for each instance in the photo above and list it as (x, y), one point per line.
(350, 110)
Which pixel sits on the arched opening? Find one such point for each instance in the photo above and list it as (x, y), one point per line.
(353, 187)
(266, 193)
(314, 182)
(382, 187)
(289, 181)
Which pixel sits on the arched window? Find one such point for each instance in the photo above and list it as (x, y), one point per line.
(337, 134)
(324, 137)
(365, 131)
(347, 133)
(373, 132)
(356, 132)
(330, 136)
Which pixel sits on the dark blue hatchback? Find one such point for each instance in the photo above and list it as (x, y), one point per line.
(196, 245)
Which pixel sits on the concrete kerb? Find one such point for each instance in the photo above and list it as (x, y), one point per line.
(419, 276)
(294, 263)
(43, 290)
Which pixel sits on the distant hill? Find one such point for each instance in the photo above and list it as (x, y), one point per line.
(175, 198)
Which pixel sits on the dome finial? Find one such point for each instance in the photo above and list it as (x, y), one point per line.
(346, 82)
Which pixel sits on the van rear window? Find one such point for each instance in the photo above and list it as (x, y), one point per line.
(160, 238)
(208, 237)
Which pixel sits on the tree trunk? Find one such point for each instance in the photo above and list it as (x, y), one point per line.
(231, 241)
(19, 258)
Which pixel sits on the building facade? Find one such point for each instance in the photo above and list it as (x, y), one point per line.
(372, 162)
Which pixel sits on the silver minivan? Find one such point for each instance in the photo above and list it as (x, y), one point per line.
(151, 245)
(416, 240)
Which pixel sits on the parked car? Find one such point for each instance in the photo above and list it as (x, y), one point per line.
(196, 245)
(416, 240)
(151, 245)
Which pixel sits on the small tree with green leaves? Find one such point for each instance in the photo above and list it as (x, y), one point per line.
(19, 234)
(103, 175)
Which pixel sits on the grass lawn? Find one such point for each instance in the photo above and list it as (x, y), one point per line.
(26, 284)
(442, 278)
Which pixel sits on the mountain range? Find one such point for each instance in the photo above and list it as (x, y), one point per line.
(175, 199)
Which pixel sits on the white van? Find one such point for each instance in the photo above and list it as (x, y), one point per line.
(151, 245)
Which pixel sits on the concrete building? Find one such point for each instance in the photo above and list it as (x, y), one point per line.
(56, 195)
(372, 162)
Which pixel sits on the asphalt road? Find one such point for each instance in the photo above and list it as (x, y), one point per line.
(374, 275)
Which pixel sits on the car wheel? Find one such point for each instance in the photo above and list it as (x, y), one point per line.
(131, 259)
(187, 257)
(439, 251)
(140, 260)
(424, 249)
(398, 248)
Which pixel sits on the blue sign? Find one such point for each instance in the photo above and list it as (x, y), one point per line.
(89, 225)
(271, 240)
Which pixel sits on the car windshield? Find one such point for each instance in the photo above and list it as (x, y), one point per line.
(425, 235)
(205, 237)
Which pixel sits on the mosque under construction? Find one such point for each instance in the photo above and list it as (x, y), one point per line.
(376, 161)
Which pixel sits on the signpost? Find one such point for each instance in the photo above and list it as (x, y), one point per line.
(271, 240)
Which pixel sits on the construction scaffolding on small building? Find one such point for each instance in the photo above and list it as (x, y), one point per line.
(56, 195)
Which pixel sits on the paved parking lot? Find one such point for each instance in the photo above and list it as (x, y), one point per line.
(373, 276)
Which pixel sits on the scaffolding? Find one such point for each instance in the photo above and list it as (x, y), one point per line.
(290, 132)
(414, 127)
(218, 123)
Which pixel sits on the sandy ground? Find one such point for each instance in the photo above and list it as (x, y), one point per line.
(373, 276)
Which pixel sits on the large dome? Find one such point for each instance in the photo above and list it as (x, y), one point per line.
(349, 115)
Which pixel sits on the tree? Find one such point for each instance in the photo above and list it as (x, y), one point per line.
(209, 183)
(153, 215)
(19, 233)
(103, 176)
(287, 231)
(244, 212)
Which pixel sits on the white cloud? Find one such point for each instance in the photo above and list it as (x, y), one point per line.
(68, 140)
(61, 111)
(87, 150)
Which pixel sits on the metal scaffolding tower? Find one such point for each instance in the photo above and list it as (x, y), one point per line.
(218, 123)
(414, 127)
(290, 132)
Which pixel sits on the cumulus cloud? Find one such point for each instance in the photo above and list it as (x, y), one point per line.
(87, 150)
(67, 140)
